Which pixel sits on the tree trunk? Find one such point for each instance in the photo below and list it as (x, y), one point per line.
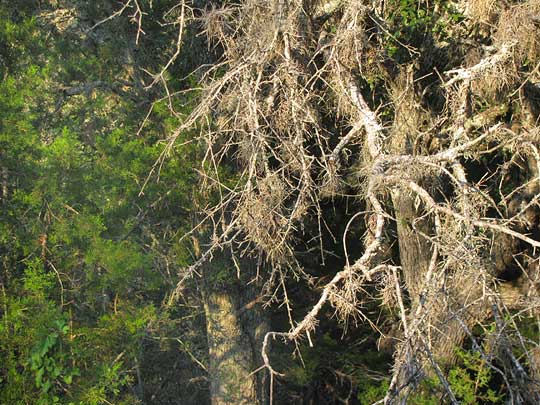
(414, 249)
(414, 227)
(235, 328)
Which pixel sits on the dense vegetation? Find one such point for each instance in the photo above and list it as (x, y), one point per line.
(87, 261)
(240, 202)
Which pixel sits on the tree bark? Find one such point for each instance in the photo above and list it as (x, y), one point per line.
(235, 328)
(414, 249)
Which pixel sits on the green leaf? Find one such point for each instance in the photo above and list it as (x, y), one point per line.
(39, 376)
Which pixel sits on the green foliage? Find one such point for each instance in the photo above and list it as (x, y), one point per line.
(85, 257)
(371, 392)
(49, 363)
(413, 22)
(430, 392)
(471, 381)
(36, 281)
(111, 379)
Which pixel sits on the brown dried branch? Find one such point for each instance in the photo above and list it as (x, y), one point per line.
(279, 84)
